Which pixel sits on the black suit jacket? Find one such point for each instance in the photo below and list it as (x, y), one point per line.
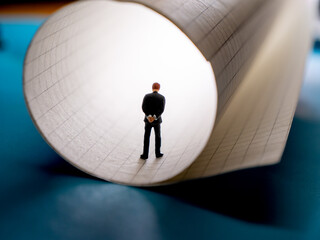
(153, 104)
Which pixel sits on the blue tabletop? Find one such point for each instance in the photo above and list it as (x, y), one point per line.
(43, 197)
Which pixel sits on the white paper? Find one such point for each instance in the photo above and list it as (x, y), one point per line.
(230, 100)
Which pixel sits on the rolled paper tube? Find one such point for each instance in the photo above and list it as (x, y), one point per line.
(230, 71)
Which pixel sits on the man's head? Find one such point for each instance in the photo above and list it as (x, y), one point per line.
(155, 87)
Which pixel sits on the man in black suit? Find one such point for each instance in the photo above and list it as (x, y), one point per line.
(152, 106)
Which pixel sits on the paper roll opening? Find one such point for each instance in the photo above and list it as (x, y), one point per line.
(86, 73)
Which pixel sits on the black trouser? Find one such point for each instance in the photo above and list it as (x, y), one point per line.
(147, 133)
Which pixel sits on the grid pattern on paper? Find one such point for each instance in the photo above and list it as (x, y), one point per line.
(253, 132)
(64, 90)
(64, 103)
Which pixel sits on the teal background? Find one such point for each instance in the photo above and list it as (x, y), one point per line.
(43, 197)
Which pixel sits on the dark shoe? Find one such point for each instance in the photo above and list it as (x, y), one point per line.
(159, 155)
(143, 157)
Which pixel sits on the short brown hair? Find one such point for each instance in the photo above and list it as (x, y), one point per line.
(156, 86)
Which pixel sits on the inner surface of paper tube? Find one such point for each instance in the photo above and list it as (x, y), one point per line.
(86, 73)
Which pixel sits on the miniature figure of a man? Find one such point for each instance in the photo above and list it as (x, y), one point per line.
(153, 106)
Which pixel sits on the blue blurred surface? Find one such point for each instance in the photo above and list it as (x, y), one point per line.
(43, 197)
